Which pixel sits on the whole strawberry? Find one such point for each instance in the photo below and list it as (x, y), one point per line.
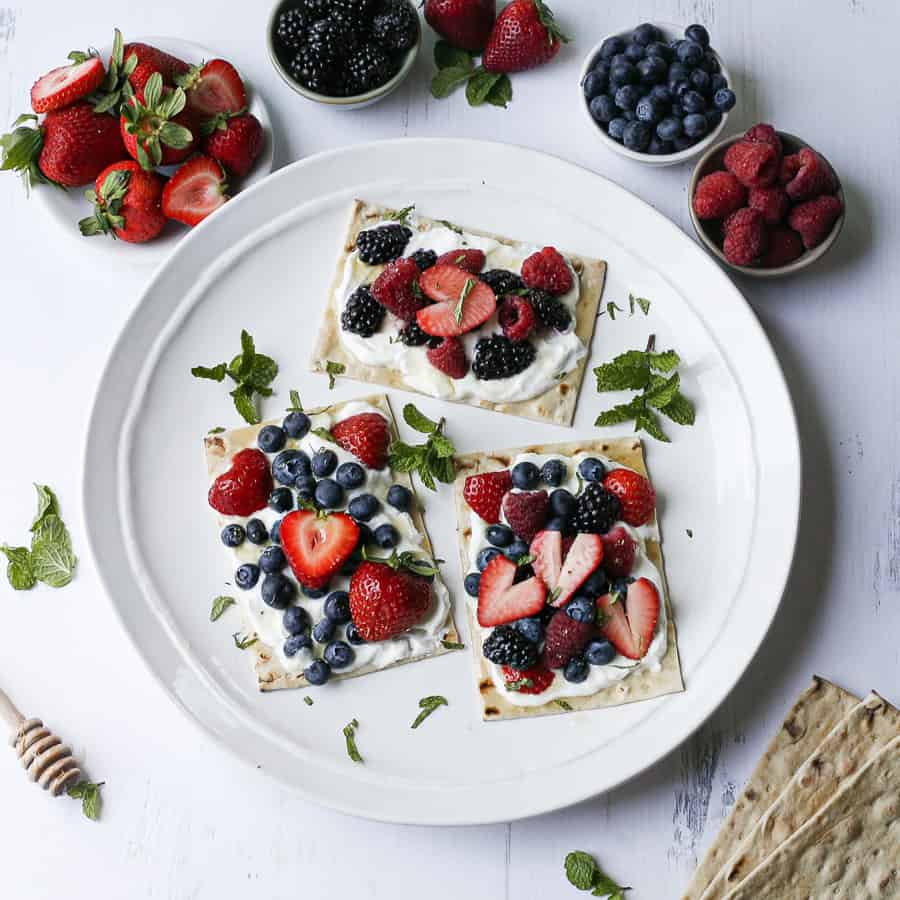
(234, 140)
(636, 495)
(167, 65)
(128, 204)
(525, 35)
(463, 23)
(156, 128)
(484, 493)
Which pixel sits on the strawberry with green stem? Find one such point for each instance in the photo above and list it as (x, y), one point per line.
(127, 204)
(155, 125)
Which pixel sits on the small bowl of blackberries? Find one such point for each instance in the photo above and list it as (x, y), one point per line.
(344, 53)
(656, 94)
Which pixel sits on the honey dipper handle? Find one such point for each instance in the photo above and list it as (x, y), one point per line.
(9, 714)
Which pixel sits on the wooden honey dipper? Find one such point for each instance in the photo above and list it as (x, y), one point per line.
(47, 760)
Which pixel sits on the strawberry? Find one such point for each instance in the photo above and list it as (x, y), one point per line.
(396, 288)
(366, 436)
(194, 191)
(245, 487)
(213, 88)
(469, 260)
(525, 35)
(618, 552)
(63, 86)
(564, 638)
(516, 317)
(585, 554)
(813, 219)
(547, 270)
(500, 600)
(234, 140)
(526, 512)
(167, 65)
(527, 681)
(636, 495)
(141, 75)
(156, 128)
(128, 204)
(317, 544)
(547, 550)
(484, 493)
(462, 302)
(463, 23)
(71, 147)
(813, 177)
(449, 357)
(387, 599)
(629, 624)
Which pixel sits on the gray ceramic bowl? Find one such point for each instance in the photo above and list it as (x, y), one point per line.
(359, 100)
(709, 232)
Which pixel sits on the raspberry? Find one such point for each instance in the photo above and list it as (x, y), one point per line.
(764, 134)
(772, 202)
(784, 247)
(812, 178)
(790, 166)
(564, 638)
(547, 270)
(516, 317)
(449, 357)
(527, 681)
(814, 219)
(755, 165)
(395, 288)
(745, 236)
(717, 195)
(526, 512)
(471, 261)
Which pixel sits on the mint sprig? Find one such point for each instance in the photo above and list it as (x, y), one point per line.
(433, 460)
(333, 369)
(428, 705)
(349, 732)
(583, 873)
(457, 67)
(89, 794)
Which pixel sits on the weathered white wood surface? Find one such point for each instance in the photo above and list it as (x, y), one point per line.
(182, 819)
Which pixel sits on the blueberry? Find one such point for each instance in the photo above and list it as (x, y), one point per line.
(596, 584)
(499, 535)
(352, 563)
(599, 652)
(661, 94)
(313, 593)
(601, 68)
(620, 59)
(656, 147)
(591, 469)
(669, 128)
(271, 438)
(576, 670)
(363, 507)
(711, 63)
(386, 536)
(677, 110)
(683, 143)
(603, 108)
(365, 535)
(629, 116)
(323, 631)
(531, 629)
(288, 465)
(622, 73)
(246, 576)
(627, 96)
(233, 535)
(679, 88)
(281, 499)
(693, 102)
(353, 634)
(678, 72)
(256, 532)
(717, 82)
(690, 53)
(695, 125)
(306, 487)
(296, 620)
(652, 70)
(562, 503)
(648, 110)
(278, 591)
(582, 608)
(338, 654)
(272, 559)
(657, 48)
(616, 128)
(700, 82)
(516, 550)
(554, 472)
(645, 34)
(276, 533)
(557, 523)
(486, 555)
(634, 52)
(399, 497)
(317, 672)
(350, 475)
(472, 583)
(594, 85)
(329, 494)
(698, 34)
(637, 136)
(337, 607)
(611, 46)
(324, 462)
(525, 475)
(713, 117)
(296, 424)
(724, 99)
(295, 643)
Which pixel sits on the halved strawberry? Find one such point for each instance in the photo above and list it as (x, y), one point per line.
(583, 557)
(317, 545)
(462, 302)
(471, 260)
(500, 601)
(194, 191)
(484, 493)
(527, 681)
(366, 436)
(629, 627)
(615, 627)
(216, 87)
(63, 86)
(546, 548)
(245, 487)
(618, 552)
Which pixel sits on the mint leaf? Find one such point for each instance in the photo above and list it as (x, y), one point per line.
(665, 361)
(442, 446)
(216, 373)
(661, 391)
(612, 309)
(333, 368)
(463, 294)
(48, 505)
(243, 403)
(262, 373)
(428, 705)
(19, 572)
(418, 420)
(445, 81)
(480, 85)
(53, 564)
(399, 215)
(452, 645)
(308, 700)
(433, 460)
(563, 704)
(217, 430)
(624, 412)
(220, 604)
(446, 56)
(627, 371)
(350, 737)
(325, 434)
(646, 420)
(679, 409)
(89, 795)
(501, 93)
(243, 641)
(580, 869)
(642, 302)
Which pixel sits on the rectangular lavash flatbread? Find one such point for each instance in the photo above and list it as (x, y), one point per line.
(641, 685)
(855, 740)
(817, 710)
(271, 676)
(556, 406)
(849, 850)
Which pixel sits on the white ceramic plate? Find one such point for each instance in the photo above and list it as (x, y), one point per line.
(66, 208)
(264, 263)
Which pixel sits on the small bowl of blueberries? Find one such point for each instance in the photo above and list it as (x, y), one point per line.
(656, 95)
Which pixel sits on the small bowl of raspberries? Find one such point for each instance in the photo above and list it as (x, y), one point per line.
(766, 203)
(344, 53)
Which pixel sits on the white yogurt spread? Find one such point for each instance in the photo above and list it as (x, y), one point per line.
(556, 353)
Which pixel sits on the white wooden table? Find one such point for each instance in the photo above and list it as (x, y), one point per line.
(184, 820)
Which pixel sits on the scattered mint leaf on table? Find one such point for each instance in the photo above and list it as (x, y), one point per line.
(217, 430)
(308, 700)
(428, 705)
(18, 569)
(689, 532)
(350, 737)
(399, 215)
(642, 302)
(89, 795)
(450, 225)
(220, 604)
(583, 873)
(564, 704)
(433, 460)
(242, 642)
(452, 645)
(48, 505)
(296, 405)
(333, 368)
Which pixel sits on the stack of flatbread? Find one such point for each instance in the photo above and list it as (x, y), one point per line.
(820, 816)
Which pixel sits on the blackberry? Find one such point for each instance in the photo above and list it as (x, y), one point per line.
(291, 29)
(499, 357)
(330, 41)
(597, 509)
(502, 281)
(506, 646)
(312, 72)
(382, 244)
(413, 336)
(368, 68)
(396, 29)
(315, 9)
(424, 259)
(363, 314)
(354, 14)
(552, 312)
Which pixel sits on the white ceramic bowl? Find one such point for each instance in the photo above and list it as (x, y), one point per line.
(669, 32)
